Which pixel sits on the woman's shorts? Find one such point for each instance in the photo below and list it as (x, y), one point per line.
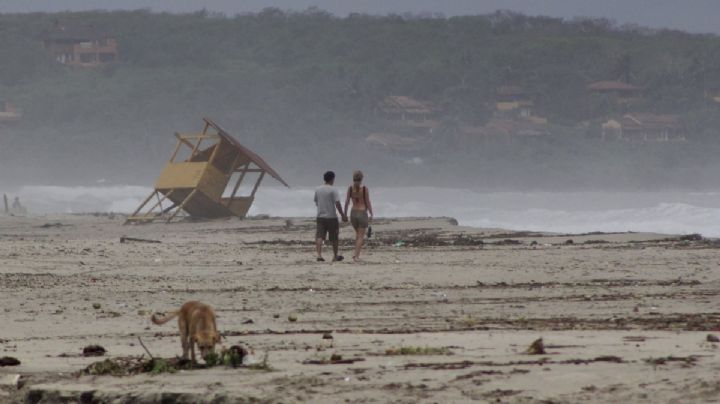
(359, 219)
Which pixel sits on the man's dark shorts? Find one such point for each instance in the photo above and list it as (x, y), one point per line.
(326, 226)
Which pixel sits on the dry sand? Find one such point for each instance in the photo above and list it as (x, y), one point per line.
(624, 317)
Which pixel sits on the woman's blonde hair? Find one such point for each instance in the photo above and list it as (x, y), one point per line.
(357, 178)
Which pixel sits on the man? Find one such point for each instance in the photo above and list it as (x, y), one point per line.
(327, 200)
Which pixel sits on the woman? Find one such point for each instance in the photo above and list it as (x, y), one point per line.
(360, 209)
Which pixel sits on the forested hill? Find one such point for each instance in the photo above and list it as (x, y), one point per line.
(301, 88)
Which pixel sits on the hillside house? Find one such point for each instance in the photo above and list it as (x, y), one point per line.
(509, 129)
(405, 108)
(80, 45)
(713, 95)
(644, 127)
(9, 114)
(620, 91)
(514, 100)
(394, 142)
(406, 123)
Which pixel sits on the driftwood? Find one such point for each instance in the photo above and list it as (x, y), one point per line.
(124, 239)
(145, 348)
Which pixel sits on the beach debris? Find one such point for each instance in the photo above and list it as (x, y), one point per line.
(50, 225)
(249, 321)
(9, 361)
(507, 241)
(125, 239)
(96, 306)
(440, 296)
(596, 242)
(107, 367)
(292, 318)
(465, 240)
(145, 348)
(212, 359)
(569, 241)
(686, 361)
(263, 365)
(13, 381)
(413, 350)
(233, 356)
(399, 243)
(124, 366)
(536, 348)
(609, 358)
(93, 350)
(327, 335)
(335, 359)
(712, 338)
(635, 338)
(132, 365)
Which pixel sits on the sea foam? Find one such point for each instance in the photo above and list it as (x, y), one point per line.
(562, 212)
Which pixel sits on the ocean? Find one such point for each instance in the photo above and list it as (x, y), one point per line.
(562, 212)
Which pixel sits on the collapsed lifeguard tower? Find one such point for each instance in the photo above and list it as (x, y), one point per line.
(205, 184)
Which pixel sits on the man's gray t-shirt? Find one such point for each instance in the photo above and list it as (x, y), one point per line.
(325, 198)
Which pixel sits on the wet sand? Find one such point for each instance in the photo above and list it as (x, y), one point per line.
(624, 317)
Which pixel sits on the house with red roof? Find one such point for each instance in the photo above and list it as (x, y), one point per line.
(80, 45)
(644, 127)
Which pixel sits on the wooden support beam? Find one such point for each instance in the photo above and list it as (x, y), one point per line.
(195, 149)
(175, 152)
(232, 166)
(214, 152)
(257, 184)
(197, 136)
(183, 139)
(250, 170)
(237, 184)
(141, 206)
(159, 202)
(182, 205)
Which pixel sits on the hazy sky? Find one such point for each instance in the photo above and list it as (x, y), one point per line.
(688, 15)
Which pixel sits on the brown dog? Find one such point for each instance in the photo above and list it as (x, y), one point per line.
(197, 326)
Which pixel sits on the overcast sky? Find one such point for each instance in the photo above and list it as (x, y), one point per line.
(687, 15)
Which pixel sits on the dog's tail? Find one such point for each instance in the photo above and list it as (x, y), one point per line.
(164, 319)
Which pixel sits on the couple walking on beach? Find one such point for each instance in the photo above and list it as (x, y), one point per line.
(327, 200)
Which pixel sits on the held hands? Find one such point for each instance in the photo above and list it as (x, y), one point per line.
(344, 218)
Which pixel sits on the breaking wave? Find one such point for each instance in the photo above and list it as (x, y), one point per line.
(563, 212)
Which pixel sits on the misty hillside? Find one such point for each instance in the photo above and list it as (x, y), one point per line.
(303, 89)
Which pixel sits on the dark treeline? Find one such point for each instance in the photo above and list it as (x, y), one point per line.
(301, 89)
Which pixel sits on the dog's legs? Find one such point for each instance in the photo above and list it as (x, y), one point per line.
(192, 348)
(184, 337)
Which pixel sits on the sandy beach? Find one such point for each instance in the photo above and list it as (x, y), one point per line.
(435, 313)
